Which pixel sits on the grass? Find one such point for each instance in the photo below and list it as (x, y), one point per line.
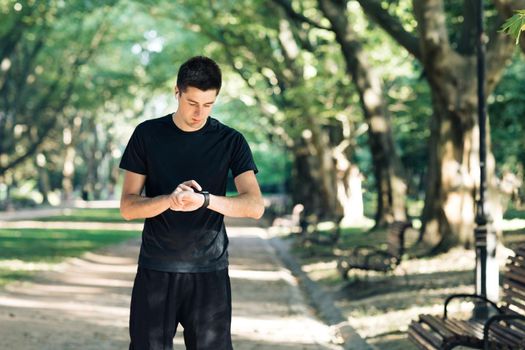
(89, 215)
(23, 252)
(514, 213)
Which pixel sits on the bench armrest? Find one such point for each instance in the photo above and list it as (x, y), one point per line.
(468, 296)
(381, 255)
(358, 250)
(364, 247)
(493, 319)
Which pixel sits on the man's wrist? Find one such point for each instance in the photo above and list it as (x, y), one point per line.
(167, 200)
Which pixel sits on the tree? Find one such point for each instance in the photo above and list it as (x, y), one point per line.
(389, 173)
(449, 65)
(273, 58)
(40, 65)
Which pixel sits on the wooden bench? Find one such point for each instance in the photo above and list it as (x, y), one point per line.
(291, 222)
(372, 258)
(505, 330)
(310, 235)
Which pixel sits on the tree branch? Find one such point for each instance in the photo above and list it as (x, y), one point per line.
(14, 34)
(299, 34)
(220, 35)
(392, 26)
(33, 147)
(44, 130)
(290, 12)
(430, 15)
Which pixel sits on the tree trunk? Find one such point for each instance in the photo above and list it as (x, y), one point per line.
(448, 215)
(350, 192)
(44, 186)
(315, 183)
(69, 165)
(453, 174)
(324, 180)
(113, 178)
(390, 182)
(449, 212)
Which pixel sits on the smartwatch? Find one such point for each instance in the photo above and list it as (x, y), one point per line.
(206, 195)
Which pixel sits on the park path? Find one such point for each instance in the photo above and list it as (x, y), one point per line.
(84, 305)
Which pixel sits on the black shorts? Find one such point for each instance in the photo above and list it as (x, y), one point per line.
(200, 302)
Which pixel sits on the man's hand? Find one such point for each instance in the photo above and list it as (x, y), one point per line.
(189, 185)
(184, 198)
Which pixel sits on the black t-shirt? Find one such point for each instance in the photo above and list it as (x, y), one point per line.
(193, 241)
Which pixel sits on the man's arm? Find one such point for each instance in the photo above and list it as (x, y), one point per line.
(135, 206)
(248, 203)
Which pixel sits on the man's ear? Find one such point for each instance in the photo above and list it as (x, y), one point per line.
(177, 91)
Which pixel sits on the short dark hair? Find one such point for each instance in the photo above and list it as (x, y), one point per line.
(200, 72)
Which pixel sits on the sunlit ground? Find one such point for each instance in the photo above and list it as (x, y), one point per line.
(41, 244)
(83, 302)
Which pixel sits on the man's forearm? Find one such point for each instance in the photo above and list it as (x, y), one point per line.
(243, 205)
(134, 206)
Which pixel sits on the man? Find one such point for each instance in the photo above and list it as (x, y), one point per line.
(182, 160)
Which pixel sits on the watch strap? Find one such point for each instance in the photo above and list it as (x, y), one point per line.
(206, 195)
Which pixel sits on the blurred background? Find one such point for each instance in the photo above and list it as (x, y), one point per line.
(360, 111)
(344, 110)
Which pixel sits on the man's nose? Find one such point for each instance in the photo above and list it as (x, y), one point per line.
(199, 111)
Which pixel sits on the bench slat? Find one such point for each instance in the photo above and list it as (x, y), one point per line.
(511, 284)
(470, 329)
(423, 338)
(433, 332)
(517, 275)
(438, 325)
(511, 300)
(505, 335)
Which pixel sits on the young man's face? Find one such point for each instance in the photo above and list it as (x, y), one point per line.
(194, 107)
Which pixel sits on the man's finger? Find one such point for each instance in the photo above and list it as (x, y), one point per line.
(193, 184)
(185, 187)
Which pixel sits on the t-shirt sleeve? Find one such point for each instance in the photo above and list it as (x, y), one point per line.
(134, 157)
(242, 158)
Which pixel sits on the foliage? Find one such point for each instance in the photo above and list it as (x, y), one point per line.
(515, 25)
(410, 105)
(507, 125)
(100, 68)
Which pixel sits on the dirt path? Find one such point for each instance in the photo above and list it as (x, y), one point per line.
(85, 304)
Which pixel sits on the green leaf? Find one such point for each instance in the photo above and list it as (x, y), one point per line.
(515, 25)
